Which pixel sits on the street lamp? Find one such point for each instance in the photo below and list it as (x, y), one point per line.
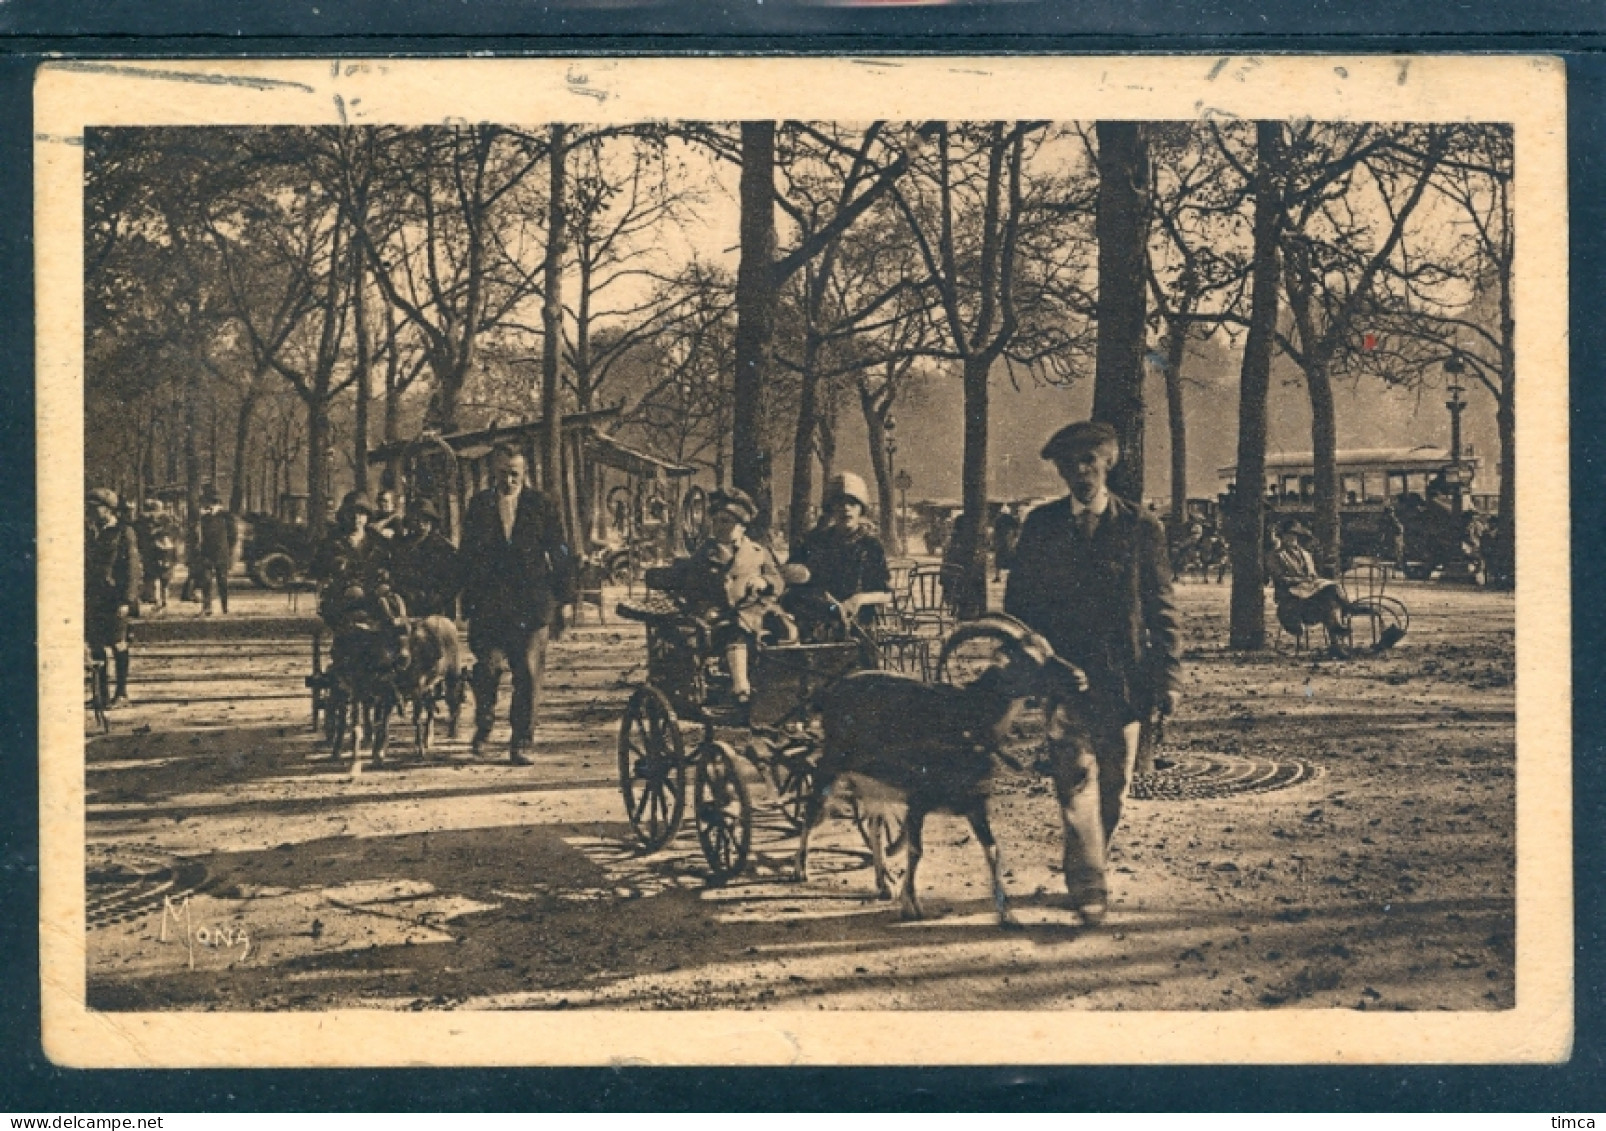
(889, 432)
(903, 481)
(1453, 368)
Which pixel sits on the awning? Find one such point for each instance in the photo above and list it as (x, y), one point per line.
(477, 443)
(609, 452)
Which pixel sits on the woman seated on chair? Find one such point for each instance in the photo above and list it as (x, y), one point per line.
(1303, 596)
(844, 557)
(733, 584)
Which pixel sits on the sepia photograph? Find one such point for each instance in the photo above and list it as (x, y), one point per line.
(804, 561)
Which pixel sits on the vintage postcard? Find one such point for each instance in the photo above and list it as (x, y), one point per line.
(804, 561)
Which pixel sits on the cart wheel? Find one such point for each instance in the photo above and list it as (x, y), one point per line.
(886, 823)
(621, 508)
(724, 811)
(652, 768)
(619, 569)
(792, 768)
(694, 517)
(966, 654)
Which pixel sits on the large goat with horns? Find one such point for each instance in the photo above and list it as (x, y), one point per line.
(935, 746)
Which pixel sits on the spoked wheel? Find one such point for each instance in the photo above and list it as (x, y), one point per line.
(694, 517)
(792, 769)
(621, 508)
(724, 811)
(652, 768)
(1384, 620)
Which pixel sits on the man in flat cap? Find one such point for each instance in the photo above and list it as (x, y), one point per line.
(1091, 574)
(518, 592)
(112, 578)
(216, 535)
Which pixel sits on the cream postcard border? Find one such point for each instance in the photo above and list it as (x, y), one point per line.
(1528, 92)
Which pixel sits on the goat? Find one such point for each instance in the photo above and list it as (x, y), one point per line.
(367, 656)
(434, 671)
(933, 745)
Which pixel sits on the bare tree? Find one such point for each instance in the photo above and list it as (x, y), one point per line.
(1008, 266)
(1247, 505)
(1197, 263)
(1122, 229)
(290, 269)
(759, 277)
(437, 213)
(1447, 306)
(678, 383)
(1350, 197)
(846, 302)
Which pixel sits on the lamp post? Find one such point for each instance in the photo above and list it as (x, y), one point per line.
(889, 436)
(1453, 368)
(903, 481)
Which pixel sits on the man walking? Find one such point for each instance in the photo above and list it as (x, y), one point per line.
(1092, 575)
(518, 591)
(214, 552)
(111, 588)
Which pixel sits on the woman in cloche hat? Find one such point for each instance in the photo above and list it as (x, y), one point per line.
(843, 553)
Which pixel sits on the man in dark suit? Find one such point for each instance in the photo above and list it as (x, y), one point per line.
(518, 592)
(111, 589)
(1093, 576)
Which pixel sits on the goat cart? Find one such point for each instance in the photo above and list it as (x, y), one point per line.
(687, 683)
(777, 735)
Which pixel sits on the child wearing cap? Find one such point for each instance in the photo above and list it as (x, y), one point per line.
(734, 584)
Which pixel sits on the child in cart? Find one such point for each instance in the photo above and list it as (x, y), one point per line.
(734, 584)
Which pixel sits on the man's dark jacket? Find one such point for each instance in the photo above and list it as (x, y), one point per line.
(515, 584)
(1104, 606)
(112, 573)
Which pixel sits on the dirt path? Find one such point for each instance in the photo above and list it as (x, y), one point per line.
(1372, 868)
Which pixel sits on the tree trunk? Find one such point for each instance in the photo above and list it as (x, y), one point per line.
(881, 467)
(1246, 520)
(192, 454)
(797, 519)
(1324, 456)
(827, 434)
(1503, 575)
(211, 444)
(969, 545)
(552, 322)
(755, 317)
(584, 389)
(317, 448)
(364, 380)
(242, 441)
(1503, 563)
(1122, 229)
(1176, 348)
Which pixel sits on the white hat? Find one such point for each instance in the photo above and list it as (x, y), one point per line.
(847, 486)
